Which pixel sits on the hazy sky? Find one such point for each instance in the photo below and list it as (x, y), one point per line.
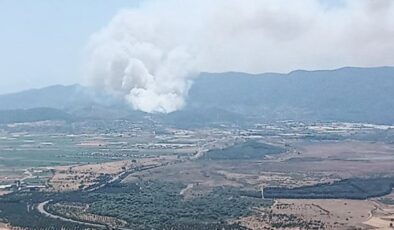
(42, 42)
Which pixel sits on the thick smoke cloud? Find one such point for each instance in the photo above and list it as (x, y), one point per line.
(149, 55)
(136, 57)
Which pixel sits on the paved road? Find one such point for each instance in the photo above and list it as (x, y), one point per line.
(41, 209)
(29, 175)
(120, 176)
(113, 180)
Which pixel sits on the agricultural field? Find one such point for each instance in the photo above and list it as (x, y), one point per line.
(194, 179)
(23, 152)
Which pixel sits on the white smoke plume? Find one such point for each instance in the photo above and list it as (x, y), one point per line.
(150, 54)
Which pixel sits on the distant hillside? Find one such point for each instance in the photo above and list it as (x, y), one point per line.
(31, 115)
(200, 117)
(346, 94)
(56, 96)
(75, 99)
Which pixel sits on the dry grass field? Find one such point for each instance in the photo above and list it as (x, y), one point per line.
(339, 159)
(4, 192)
(329, 214)
(318, 162)
(348, 150)
(335, 160)
(309, 164)
(205, 175)
(335, 214)
(4, 226)
(382, 217)
(8, 176)
(69, 178)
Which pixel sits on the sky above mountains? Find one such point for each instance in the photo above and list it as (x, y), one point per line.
(49, 42)
(42, 42)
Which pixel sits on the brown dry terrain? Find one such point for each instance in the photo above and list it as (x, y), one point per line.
(69, 178)
(348, 150)
(335, 214)
(4, 226)
(4, 192)
(326, 214)
(338, 160)
(203, 176)
(309, 164)
(341, 159)
(8, 176)
(305, 163)
(382, 217)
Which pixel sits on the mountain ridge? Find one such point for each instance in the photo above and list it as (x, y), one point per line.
(345, 94)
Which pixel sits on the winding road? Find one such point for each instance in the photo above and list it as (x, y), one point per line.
(41, 209)
(41, 206)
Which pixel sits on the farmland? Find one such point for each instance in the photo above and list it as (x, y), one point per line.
(145, 178)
